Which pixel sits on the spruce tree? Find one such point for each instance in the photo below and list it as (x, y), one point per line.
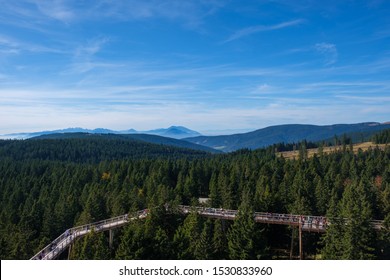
(332, 240)
(203, 250)
(384, 239)
(219, 241)
(358, 234)
(241, 233)
(187, 237)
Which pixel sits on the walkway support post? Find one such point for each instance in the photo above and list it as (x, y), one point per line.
(300, 241)
(292, 243)
(111, 237)
(69, 251)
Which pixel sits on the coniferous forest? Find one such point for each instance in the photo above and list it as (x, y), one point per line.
(49, 185)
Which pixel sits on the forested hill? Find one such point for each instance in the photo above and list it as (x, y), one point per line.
(148, 138)
(91, 148)
(288, 134)
(39, 199)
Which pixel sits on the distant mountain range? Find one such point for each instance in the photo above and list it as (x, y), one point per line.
(177, 132)
(180, 136)
(286, 134)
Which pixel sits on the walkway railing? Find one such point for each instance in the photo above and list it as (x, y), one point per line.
(304, 222)
(62, 242)
(308, 223)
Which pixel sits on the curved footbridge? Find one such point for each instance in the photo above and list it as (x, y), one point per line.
(303, 222)
(66, 239)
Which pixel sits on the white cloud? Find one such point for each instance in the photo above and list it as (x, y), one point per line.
(84, 58)
(263, 88)
(87, 66)
(8, 42)
(38, 14)
(261, 28)
(264, 91)
(329, 51)
(9, 45)
(190, 12)
(56, 9)
(91, 48)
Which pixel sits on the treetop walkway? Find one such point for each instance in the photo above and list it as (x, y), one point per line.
(303, 222)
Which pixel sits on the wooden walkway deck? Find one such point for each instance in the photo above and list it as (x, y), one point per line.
(303, 222)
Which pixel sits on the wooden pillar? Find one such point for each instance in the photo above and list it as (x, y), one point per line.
(69, 251)
(111, 237)
(300, 241)
(292, 242)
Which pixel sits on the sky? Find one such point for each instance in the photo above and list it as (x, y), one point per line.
(215, 66)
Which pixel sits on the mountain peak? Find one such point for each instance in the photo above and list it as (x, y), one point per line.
(177, 132)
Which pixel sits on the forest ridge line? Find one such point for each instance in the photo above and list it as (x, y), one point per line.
(288, 133)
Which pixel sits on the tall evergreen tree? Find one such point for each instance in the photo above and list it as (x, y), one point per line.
(203, 250)
(332, 240)
(93, 246)
(187, 237)
(359, 234)
(241, 233)
(219, 240)
(384, 239)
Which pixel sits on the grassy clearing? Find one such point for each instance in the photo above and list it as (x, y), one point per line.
(326, 150)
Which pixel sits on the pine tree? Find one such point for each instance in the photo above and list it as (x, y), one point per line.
(93, 247)
(214, 195)
(384, 239)
(134, 245)
(322, 192)
(101, 250)
(241, 233)
(333, 238)
(162, 247)
(225, 187)
(359, 234)
(181, 243)
(219, 241)
(203, 249)
(187, 237)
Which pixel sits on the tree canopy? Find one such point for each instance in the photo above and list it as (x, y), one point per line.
(47, 187)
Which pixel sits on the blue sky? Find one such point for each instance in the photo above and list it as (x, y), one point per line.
(213, 66)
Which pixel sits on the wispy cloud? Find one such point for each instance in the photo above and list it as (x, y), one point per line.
(91, 48)
(329, 51)
(261, 28)
(37, 13)
(11, 45)
(366, 99)
(8, 46)
(87, 66)
(190, 12)
(84, 58)
(56, 9)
